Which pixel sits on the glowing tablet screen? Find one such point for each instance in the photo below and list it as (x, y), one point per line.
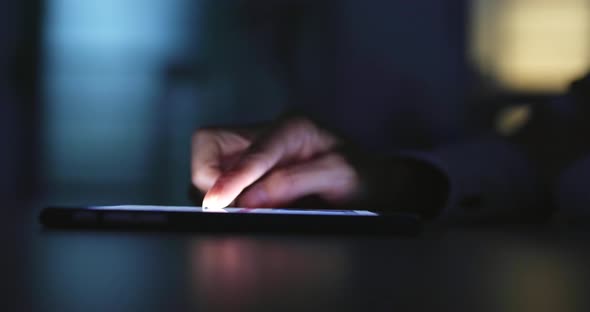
(238, 210)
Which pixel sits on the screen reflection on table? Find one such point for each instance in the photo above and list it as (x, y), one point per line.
(236, 273)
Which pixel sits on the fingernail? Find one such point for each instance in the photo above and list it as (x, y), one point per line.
(210, 202)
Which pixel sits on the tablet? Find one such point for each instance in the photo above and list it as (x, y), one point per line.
(195, 219)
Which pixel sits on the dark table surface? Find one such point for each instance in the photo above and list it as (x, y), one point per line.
(508, 268)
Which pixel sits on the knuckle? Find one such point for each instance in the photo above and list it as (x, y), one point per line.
(347, 177)
(255, 161)
(279, 183)
(312, 134)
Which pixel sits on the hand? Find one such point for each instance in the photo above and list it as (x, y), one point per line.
(271, 168)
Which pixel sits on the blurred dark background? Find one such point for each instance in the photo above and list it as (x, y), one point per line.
(99, 98)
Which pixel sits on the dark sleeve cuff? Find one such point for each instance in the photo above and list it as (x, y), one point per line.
(401, 184)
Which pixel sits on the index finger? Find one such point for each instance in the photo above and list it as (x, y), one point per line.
(249, 169)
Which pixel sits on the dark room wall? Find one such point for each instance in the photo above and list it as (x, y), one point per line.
(19, 38)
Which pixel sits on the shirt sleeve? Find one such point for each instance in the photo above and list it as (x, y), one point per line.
(485, 179)
(571, 192)
(571, 187)
(491, 180)
(504, 179)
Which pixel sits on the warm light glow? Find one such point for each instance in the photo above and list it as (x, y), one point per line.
(532, 45)
(512, 119)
